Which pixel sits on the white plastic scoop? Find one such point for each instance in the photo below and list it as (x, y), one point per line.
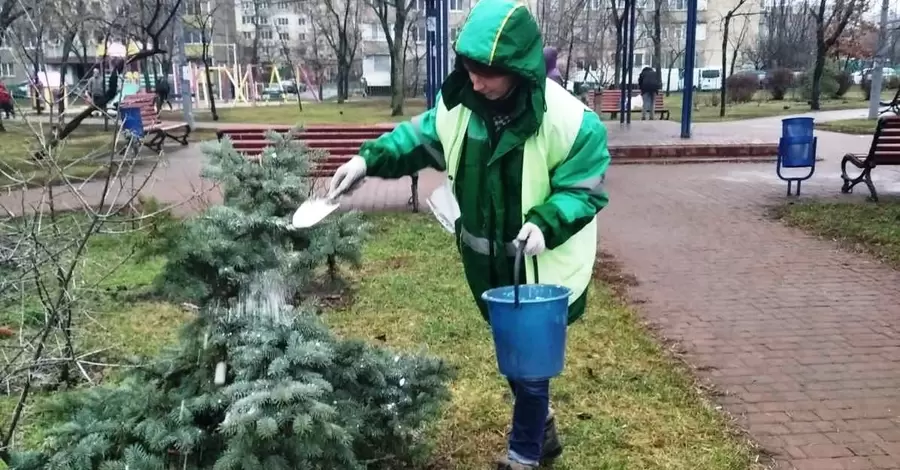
(312, 211)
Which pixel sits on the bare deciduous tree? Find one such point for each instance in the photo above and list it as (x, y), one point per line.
(338, 22)
(201, 18)
(831, 17)
(393, 16)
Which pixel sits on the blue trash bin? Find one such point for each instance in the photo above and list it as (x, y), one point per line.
(528, 323)
(132, 121)
(797, 127)
(797, 152)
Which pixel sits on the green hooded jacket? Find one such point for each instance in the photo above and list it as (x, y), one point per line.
(488, 184)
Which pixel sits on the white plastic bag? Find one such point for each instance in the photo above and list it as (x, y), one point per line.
(444, 206)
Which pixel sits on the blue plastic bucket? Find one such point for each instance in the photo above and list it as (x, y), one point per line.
(528, 323)
(797, 127)
(132, 121)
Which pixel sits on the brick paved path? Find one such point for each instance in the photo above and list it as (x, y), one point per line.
(803, 338)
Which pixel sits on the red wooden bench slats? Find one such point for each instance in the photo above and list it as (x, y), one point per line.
(340, 143)
(610, 101)
(884, 150)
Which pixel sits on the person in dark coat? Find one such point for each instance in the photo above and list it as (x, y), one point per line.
(162, 93)
(649, 84)
(550, 55)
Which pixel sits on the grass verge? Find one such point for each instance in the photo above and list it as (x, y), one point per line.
(621, 402)
(849, 126)
(84, 155)
(866, 227)
(358, 112)
(377, 110)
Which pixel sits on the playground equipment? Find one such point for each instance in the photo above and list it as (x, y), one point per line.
(237, 84)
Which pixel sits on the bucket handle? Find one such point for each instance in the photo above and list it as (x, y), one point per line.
(517, 267)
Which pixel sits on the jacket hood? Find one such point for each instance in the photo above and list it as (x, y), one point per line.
(502, 34)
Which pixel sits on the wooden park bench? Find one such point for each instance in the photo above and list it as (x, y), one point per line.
(341, 143)
(609, 103)
(156, 130)
(885, 150)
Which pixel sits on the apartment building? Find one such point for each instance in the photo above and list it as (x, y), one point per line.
(212, 19)
(376, 64)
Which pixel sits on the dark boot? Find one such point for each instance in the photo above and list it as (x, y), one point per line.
(552, 447)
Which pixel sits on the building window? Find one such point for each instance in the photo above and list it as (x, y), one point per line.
(263, 20)
(265, 35)
(192, 36)
(284, 36)
(248, 35)
(418, 34)
(454, 32)
(638, 59)
(301, 21)
(281, 21)
(7, 69)
(302, 36)
(455, 5)
(381, 63)
(677, 5)
(196, 7)
(247, 20)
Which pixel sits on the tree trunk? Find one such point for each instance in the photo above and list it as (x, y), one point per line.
(656, 62)
(814, 103)
(209, 88)
(398, 71)
(722, 88)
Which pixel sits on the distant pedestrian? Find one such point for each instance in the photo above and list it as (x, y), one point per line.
(6, 102)
(162, 93)
(649, 84)
(550, 56)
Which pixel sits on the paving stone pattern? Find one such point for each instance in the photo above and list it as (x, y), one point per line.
(803, 338)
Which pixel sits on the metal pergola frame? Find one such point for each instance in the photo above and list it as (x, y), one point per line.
(626, 67)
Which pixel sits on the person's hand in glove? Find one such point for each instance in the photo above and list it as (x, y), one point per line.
(532, 238)
(347, 177)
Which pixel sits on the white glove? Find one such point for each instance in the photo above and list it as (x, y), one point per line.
(533, 239)
(347, 177)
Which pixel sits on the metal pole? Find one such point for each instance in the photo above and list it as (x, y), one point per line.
(430, 52)
(632, 25)
(182, 72)
(690, 52)
(444, 47)
(623, 66)
(877, 76)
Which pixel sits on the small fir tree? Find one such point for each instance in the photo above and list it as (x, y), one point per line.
(256, 381)
(215, 255)
(294, 397)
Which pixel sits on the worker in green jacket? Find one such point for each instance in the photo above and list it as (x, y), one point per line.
(526, 162)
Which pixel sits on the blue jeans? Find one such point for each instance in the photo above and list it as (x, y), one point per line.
(532, 405)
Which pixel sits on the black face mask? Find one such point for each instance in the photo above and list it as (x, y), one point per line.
(506, 104)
